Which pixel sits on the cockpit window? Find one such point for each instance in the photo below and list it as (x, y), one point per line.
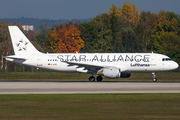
(166, 59)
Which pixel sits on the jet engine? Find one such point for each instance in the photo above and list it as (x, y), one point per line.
(113, 72)
(110, 72)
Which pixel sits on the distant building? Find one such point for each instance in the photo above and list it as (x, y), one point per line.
(27, 27)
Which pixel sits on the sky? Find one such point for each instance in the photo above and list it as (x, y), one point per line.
(77, 9)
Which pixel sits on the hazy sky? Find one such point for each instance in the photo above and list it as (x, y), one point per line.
(69, 9)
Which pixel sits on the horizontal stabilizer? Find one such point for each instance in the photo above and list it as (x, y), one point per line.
(15, 57)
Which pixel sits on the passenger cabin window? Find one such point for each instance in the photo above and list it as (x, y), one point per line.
(166, 59)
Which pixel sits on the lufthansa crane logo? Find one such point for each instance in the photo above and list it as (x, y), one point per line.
(22, 45)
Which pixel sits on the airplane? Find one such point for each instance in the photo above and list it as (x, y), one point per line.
(110, 65)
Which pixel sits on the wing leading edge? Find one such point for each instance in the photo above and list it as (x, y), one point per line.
(89, 67)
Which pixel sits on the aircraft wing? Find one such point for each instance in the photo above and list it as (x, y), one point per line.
(86, 67)
(89, 67)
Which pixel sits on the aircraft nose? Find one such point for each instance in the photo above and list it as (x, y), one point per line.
(175, 65)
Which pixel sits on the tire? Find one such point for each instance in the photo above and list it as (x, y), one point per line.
(92, 79)
(99, 78)
(154, 79)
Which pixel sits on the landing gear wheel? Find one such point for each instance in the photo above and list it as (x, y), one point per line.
(99, 78)
(154, 79)
(92, 79)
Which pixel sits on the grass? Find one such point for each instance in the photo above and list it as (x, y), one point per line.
(90, 106)
(56, 76)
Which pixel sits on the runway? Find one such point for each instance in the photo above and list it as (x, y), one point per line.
(87, 87)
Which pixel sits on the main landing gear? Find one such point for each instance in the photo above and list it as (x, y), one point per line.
(92, 78)
(99, 78)
(154, 77)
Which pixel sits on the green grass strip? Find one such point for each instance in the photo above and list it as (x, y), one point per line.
(90, 107)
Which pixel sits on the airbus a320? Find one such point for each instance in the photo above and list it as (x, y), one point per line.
(110, 65)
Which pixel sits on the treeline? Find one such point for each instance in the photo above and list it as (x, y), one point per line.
(124, 29)
(35, 22)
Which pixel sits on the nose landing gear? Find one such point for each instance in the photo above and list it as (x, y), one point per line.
(154, 77)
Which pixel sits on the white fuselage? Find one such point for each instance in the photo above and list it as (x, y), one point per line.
(126, 62)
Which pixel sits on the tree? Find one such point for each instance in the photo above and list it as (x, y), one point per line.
(51, 43)
(117, 41)
(64, 40)
(97, 34)
(130, 41)
(40, 38)
(143, 30)
(33, 40)
(5, 43)
(118, 46)
(104, 38)
(168, 43)
(88, 34)
(69, 40)
(43, 28)
(114, 16)
(113, 11)
(165, 21)
(129, 12)
(42, 33)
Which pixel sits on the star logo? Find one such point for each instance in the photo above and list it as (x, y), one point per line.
(22, 45)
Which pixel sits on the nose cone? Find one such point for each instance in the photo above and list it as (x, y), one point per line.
(175, 65)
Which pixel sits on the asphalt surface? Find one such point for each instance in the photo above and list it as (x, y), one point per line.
(87, 87)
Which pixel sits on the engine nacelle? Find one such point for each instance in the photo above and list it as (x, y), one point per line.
(125, 75)
(111, 72)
